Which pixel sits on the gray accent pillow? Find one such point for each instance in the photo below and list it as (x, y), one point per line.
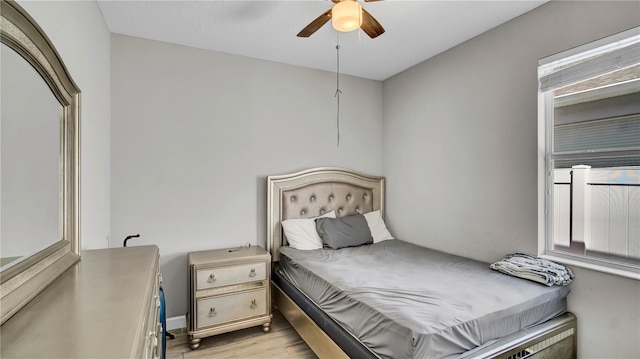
(350, 231)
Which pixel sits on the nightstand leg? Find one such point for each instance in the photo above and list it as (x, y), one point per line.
(195, 343)
(266, 327)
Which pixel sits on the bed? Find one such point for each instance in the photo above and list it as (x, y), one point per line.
(392, 299)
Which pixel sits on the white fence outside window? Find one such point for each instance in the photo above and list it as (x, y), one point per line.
(597, 211)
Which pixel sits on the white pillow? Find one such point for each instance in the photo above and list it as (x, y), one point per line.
(301, 232)
(378, 229)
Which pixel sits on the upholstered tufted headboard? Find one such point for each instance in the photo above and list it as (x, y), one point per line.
(316, 191)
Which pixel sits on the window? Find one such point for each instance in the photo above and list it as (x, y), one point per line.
(589, 155)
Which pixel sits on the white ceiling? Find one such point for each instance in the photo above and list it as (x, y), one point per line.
(415, 30)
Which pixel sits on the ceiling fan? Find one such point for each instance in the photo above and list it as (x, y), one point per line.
(347, 15)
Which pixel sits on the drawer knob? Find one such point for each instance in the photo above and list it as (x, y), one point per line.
(253, 305)
(252, 273)
(212, 278)
(212, 312)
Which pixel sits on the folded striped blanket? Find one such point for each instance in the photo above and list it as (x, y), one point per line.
(534, 268)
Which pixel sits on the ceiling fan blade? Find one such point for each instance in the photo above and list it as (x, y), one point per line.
(371, 0)
(370, 25)
(315, 24)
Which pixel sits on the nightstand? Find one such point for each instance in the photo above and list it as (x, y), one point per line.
(228, 290)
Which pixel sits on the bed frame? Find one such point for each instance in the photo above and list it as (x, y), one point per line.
(313, 192)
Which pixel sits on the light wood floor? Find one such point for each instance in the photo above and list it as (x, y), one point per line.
(281, 342)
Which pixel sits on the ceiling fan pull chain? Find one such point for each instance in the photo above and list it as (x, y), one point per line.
(338, 92)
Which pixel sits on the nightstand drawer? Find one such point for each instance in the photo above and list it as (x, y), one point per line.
(231, 307)
(221, 276)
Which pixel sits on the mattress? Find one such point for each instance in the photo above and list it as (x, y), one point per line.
(406, 301)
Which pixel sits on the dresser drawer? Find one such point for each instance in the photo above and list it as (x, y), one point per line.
(221, 276)
(153, 329)
(225, 308)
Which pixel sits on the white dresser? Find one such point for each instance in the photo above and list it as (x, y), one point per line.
(228, 290)
(106, 306)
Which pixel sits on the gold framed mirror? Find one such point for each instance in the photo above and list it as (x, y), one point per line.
(34, 269)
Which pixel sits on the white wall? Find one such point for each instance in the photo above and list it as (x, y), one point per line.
(195, 133)
(79, 33)
(459, 154)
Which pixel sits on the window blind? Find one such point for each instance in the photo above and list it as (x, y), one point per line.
(611, 61)
(608, 134)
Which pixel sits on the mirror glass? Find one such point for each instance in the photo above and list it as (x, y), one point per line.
(30, 175)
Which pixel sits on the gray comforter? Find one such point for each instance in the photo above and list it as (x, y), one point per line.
(406, 301)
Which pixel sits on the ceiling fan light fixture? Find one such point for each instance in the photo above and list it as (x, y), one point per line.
(346, 16)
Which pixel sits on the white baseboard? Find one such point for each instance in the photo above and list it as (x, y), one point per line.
(176, 322)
